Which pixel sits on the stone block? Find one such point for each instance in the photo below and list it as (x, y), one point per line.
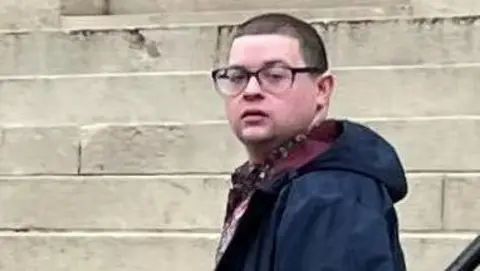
(426, 252)
(99, 252)
(169, 48)
(445, 7)
(162, 148)
(422, 208)
(129, 7)
(406, 92)
(117, 203)
(39, 150)
(127, 98)
(108, 51)
(29, 14)
(163, 203)
(431, 145)
(396, 41)
(167, 251)
(84, 7)
(462, 202)
(147, 20)
(423, 145)
(360, 93)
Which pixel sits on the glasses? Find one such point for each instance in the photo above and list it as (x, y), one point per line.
(231, 81)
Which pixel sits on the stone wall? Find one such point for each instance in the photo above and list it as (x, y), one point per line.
(114, 152)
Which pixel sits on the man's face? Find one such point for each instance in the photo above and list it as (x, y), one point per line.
(275, 110)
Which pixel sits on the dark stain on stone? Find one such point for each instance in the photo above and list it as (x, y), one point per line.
(135, 38)
(152, 49)
(222, 44)
(321, 26)
(361, 23)
(178, 186)
(22, 230)
(465, 20)
(84, 33)
(139, 42)
(428, 21)
(171, 128)
(79, 158)
(218, 46)
(135, 133)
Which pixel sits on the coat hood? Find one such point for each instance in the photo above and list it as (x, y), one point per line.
(362, 150)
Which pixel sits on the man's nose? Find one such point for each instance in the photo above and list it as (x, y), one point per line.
(253, 88)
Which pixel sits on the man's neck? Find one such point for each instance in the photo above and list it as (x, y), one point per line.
(258, 153)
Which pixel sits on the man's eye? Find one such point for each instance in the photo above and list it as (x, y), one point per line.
(236, 77)
(276, 75)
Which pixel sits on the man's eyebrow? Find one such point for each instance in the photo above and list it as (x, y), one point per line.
(274, 62)
(271, 62)
(236, 66)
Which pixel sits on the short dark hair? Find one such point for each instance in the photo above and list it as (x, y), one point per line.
(312, 46)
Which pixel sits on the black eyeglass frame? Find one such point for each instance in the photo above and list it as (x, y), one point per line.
(294, 71)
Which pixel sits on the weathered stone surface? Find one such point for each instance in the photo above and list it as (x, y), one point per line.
(422, 208)
(129, 7)
(84, 7)
(407, 92)
(397, 41)
(448, 7)
(428, 145)
(212, 148)
(122, 99)
(433, 251)
(360, 93)
(85, 51)
(159, 148)
(420, 145)
(462, 202)
(29, 14)
(39, 150)
(150, 252)
(125, 203)
(152, 202)
(145, 20)
(95, 252)
(186, 48)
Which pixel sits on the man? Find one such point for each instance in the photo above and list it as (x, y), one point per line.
(315, 194)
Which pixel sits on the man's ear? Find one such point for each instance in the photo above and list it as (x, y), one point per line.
(325, 84)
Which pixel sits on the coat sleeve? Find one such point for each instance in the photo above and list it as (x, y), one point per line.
(325, 227)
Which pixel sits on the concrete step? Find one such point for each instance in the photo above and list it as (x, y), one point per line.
(429, 7)
(377, 92)
(29, 14)
(165, 251)
(83, 7)
(210, 148)
(107, 251)
(356, 43)
(34, 14)
(219, 17)
(164, 203)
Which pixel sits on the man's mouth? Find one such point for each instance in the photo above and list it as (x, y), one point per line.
(254, 114)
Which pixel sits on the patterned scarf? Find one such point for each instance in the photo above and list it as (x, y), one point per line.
(245, 180)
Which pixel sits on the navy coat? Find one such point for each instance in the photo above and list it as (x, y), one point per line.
(336, 213)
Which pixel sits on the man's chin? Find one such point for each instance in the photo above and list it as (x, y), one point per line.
(255, 135)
